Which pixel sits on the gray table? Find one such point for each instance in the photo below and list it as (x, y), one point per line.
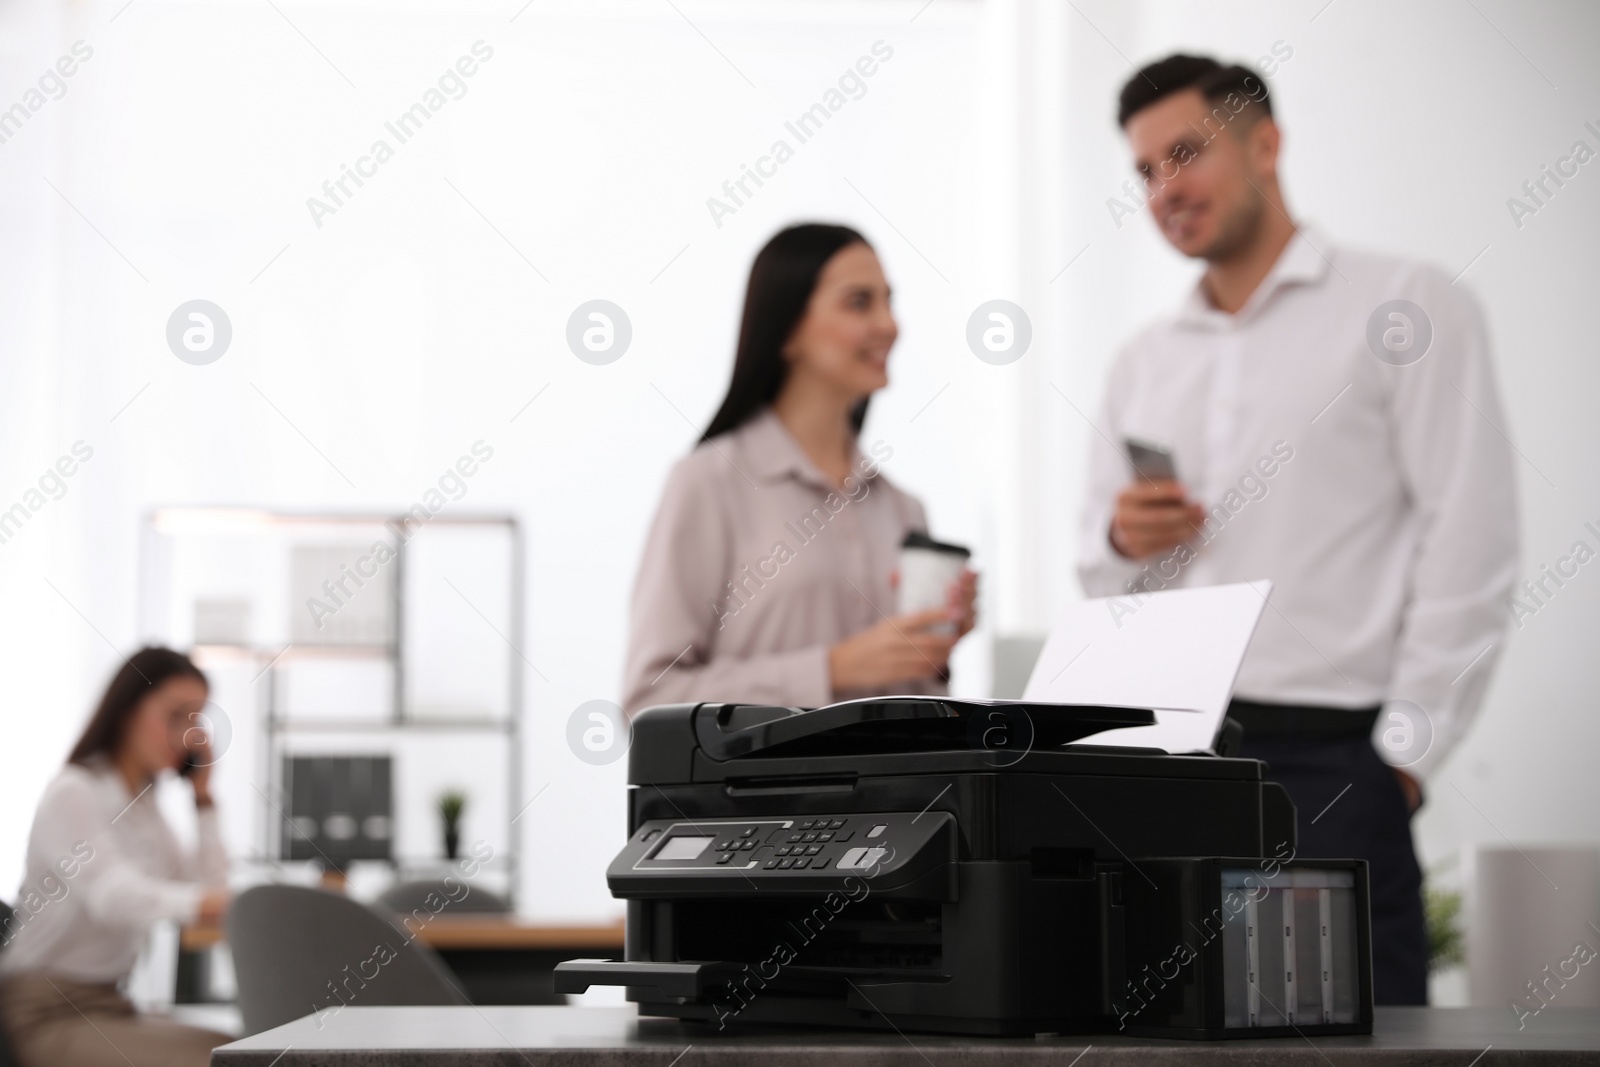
(617, 1037)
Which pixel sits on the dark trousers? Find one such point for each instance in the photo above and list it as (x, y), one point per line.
(1368, 820)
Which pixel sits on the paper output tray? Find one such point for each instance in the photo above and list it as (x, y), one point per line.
(689, 981)
(897, 724)
(650, 982)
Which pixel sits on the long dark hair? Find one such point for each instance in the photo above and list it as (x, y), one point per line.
(139, 676)
(782, 279)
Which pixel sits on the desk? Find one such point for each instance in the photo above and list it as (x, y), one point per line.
(498, 959)
(616, 1037)
(480, 931)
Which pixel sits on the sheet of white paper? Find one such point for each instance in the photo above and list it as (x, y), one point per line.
(1176, 651)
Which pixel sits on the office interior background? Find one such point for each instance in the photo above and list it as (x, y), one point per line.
(422, 317)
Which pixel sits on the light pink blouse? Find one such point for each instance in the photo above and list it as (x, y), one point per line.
(755, 565)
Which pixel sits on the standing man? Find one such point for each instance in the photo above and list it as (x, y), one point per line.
(1335, 427)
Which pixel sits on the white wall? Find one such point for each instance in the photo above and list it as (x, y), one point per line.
(979, 161)
(376, 348)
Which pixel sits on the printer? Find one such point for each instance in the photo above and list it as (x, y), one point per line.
(941, 865)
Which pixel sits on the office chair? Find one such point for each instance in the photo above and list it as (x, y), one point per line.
(299, 951)
(410, 897)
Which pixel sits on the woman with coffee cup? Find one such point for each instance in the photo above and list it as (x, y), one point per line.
(770, 571)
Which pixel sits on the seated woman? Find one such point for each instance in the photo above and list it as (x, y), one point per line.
(102, 867)
(768, 574)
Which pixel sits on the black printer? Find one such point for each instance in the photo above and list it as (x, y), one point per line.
(941, 865)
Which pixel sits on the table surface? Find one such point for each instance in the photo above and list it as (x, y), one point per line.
(617, 1037)
(486, 931)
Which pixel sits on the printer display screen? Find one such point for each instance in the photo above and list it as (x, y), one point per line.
(683, 848)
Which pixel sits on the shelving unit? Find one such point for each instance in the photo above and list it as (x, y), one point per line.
(238, 565)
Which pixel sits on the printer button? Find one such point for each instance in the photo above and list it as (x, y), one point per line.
(747, 831)
(795, 838)
(837, 824)
(819, 863)
(852, 859)
(783, 850)
(723, 846)
(825, 837)
(725, 857)
(844, 836)
(747, 846)
(808, 837)
(877, 831)
(801, 862)
(784, 865)
(767, 866)
(812, 850)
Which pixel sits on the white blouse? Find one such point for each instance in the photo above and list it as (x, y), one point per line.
(102, 866)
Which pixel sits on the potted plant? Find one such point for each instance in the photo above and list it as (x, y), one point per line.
(451, 805)
(1447, 944)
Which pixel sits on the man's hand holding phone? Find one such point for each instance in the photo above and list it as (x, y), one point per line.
(1153, 517)
(1153, 513)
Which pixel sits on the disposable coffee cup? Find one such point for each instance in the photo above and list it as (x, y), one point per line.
(928, 569)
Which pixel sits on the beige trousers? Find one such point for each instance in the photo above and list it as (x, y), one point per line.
(55, 1022)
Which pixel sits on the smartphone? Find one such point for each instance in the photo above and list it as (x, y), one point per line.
(1151, 460)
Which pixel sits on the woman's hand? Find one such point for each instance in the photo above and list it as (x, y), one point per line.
(897, 649)
(964, 602)
(213, 906)
(197, 743)
(962, 596)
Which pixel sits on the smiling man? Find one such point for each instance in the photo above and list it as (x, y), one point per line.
(1335, 427)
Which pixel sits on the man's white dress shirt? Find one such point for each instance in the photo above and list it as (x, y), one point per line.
(1376, 494)
(102, 866)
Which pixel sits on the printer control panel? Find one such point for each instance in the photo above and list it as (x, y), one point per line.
(783, 847)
